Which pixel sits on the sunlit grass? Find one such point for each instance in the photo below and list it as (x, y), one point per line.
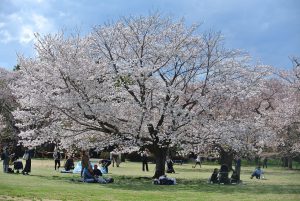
(131, 183)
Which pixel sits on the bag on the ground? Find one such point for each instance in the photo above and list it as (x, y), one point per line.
(10, 170)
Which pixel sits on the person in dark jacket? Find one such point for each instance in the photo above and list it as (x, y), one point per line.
(96, 171)
(170, 168)
(265, 162)
(5, 158)
(214, 176)
(144, 156)
(69, 163)
(27, 158)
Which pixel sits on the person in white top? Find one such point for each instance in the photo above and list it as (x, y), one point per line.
(198, 161)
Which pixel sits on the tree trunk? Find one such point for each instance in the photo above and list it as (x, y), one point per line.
(284, 162)
(160, 160)
(226, 158)
(290, 163)
(160, 153)
(257, 161)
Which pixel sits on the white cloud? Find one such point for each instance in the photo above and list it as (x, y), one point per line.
(15, 18)
(26, 35)
(5, 36)
(37, 23)
(23, 25)
(41, 23)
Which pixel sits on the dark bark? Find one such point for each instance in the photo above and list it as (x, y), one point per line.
(257, 161)
(159, 152)
(226, 157)
(284, 162)
(287, 162)
(290, 163)
(160, 160)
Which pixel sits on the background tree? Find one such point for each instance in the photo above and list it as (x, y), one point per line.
(230, 123)
(286, 116)
(8, 130)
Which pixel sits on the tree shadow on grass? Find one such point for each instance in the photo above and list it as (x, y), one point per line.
(201, 185)
(63, 177)
(194, 185)
(196, 170)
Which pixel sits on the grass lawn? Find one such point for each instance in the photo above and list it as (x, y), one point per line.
(132, 184)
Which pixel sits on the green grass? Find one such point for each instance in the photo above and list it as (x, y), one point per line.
(132, 184)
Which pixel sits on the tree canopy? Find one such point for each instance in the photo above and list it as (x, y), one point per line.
(143, 82)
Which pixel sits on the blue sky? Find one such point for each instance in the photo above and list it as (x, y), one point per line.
(268, 29)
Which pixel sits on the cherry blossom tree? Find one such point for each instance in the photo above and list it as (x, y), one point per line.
(295, 75)
(2, 123)
(127, 82)
(140, 82)
(231, 123)
(8, 131)
(286, 116)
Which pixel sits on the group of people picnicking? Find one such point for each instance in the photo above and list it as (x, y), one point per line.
(88, 172)
(222, 175)
(94, 174)
(17, 164)
(69, 164)
(144, 157)
(13, 159)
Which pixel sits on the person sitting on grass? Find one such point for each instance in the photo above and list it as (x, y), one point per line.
(223, 174)
(234, 177)
(96, 171)
(257, 173)
(89, 177)
(88, 174)
(214, 176)
(69, 163)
